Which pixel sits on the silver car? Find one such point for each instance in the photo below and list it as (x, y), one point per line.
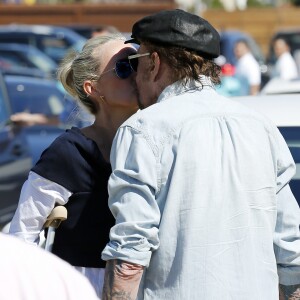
(284, 111)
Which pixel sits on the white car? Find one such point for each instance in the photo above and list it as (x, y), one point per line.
(278, 86)
(284, 111)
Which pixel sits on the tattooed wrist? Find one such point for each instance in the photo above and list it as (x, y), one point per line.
(121, 280)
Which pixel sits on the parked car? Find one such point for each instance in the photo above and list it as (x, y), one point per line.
(15, 159)
(54, 41)
(27, 56)
(283, 110)
(279, 86)
(21, 146)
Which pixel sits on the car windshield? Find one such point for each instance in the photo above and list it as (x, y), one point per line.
(43, 62)
(4, 109)
(4, 116)
(35, 97)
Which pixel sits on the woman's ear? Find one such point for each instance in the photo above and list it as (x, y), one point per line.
(88, 87)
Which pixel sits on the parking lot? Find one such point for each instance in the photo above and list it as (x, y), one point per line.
(22, 146)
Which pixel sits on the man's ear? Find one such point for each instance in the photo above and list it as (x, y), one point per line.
(156, 64)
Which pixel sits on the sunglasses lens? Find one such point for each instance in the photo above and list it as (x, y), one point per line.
(123, 69)
(134, 63)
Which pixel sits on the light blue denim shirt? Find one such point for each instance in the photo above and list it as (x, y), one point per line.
(200, 194)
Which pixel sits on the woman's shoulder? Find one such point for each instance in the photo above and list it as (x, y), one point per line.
(70, 146)
(72, 141)
(70, 160)
(71, 135)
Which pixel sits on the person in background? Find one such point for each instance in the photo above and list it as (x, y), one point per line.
(200, 183)
(285, 66)
(247, 66)
(30, 273)
(75, 169)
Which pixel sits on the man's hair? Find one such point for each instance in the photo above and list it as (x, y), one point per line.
(186, 64)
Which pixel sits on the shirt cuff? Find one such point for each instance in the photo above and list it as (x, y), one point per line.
(115, 251)
(289, 275)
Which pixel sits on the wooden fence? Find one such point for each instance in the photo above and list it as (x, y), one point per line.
(261, 23)
(121, 15)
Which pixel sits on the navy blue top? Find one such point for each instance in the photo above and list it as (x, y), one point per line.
(76, 163)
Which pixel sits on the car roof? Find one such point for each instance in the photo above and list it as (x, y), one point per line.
(18, 47)
(282, 109)
(38, 29)
(20, 79)
(279, 86)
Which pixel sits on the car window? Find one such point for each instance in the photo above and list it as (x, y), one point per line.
(13, 38)
(43, 62)
(4, 112)
(292, 137)
(34, 99)
(54, 47)
(14, 59)
(4, 115)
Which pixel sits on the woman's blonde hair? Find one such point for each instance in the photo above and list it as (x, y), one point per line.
(77, 67)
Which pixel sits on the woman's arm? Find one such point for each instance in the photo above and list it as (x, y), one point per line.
(37, 199)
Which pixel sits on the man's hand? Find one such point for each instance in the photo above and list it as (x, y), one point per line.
(122, 280)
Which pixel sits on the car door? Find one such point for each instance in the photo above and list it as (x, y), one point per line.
(292, 136)
(15, 160)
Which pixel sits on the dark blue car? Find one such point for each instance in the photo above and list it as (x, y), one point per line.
(53, 41)
(20, 146)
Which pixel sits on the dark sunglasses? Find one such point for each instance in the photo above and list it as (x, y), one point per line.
(122, 69)
(134, 60)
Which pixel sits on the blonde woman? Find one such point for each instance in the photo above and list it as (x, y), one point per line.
(75, 169)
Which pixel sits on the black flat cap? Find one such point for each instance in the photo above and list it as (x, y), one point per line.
(178, 28)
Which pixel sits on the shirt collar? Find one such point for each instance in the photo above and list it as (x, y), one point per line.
(180, 87)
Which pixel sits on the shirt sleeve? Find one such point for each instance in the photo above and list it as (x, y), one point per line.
(287, 235)
(37, 199)
(132, 189)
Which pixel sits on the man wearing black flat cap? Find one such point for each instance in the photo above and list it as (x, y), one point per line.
(200, 184)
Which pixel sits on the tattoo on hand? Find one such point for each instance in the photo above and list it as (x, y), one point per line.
(121, 280)
(122, 295)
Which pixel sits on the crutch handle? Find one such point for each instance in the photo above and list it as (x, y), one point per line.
(58, 214)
